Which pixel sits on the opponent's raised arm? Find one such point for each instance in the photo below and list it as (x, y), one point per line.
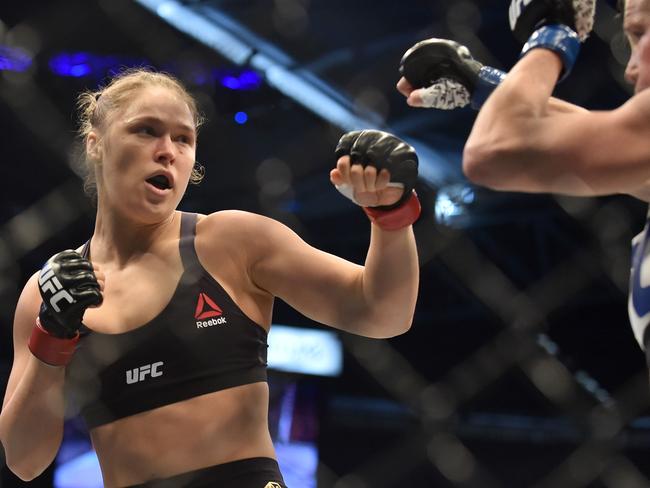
(377, 171)
(519, 143)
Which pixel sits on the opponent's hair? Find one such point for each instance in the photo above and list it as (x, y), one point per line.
(95, 107)
(620, 5)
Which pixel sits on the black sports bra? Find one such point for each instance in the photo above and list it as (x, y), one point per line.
(200, 343)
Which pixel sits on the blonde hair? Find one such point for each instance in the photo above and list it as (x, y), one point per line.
(94, 108)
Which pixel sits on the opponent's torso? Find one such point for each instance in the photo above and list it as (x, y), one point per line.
(639, 295)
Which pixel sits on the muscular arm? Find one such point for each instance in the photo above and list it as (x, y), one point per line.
(31, 421)
(374, 300)
(521, 141)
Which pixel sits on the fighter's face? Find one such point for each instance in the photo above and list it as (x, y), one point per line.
(636, 24)
(147, 154)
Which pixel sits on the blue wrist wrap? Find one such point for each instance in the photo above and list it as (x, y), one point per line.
(558, 38)
(488, 79)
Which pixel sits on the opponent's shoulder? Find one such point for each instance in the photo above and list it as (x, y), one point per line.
(637, 107)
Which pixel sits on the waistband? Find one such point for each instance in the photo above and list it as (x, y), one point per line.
(260, 472)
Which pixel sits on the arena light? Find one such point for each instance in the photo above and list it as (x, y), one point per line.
(14, 59)
(233, 41)
(241, 118)
(72, 64)
(452, 202)
(79, 64)
(196, 26)
(243, 80)
(305, 351)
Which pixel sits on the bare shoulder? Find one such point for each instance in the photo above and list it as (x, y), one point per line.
(242, 236)
(26, 311)
(637, 107)
(238, 224)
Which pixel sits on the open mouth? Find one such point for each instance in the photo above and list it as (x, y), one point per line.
(159, 181)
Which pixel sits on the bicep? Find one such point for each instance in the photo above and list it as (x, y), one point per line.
(317, 284)
(567, 151)
(24, 319)
(602, 152)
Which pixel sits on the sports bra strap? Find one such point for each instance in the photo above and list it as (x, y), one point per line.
(85, 250)
(190, 260)
(186, 244)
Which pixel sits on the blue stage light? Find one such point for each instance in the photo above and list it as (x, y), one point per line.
(250, 80)
(14, 59)
(231, 82)
(85, 64)
(241, 117)
(244, 80)
(72, 64)
(452, 202)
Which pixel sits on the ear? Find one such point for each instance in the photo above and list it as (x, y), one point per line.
(93, 147)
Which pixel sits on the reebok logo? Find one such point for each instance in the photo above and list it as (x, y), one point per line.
(207, 309)
(136, 375)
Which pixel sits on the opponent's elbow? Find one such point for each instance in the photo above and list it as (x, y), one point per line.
(480, 165)
(493, 165)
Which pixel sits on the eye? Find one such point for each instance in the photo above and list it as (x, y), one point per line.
(184, 139)
(634, 34)
(146, 130)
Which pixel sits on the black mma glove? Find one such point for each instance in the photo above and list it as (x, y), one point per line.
(383, 150)
(450, 76)
(526, 16)
(557, 25)
(68, 286)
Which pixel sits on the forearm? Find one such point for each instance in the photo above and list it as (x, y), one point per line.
(516, 130)
(522, 98)
(390, 281)
(31, 423)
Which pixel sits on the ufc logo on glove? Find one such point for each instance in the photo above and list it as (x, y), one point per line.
(51, 284)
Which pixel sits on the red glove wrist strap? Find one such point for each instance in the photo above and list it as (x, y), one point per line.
(397, 218)
(54, 351)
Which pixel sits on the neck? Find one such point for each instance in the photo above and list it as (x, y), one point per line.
(117, 239)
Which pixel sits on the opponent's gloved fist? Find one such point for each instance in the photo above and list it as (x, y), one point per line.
(68, 286)
(526, 16)
(556, 25)
(442, 74)
(388, 165)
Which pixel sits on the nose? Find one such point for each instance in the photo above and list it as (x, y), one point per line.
(632, 70)
(165, 150)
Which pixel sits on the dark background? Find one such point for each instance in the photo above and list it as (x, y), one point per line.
(520, 368)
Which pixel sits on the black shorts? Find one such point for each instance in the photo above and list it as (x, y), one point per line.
(258, 472)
